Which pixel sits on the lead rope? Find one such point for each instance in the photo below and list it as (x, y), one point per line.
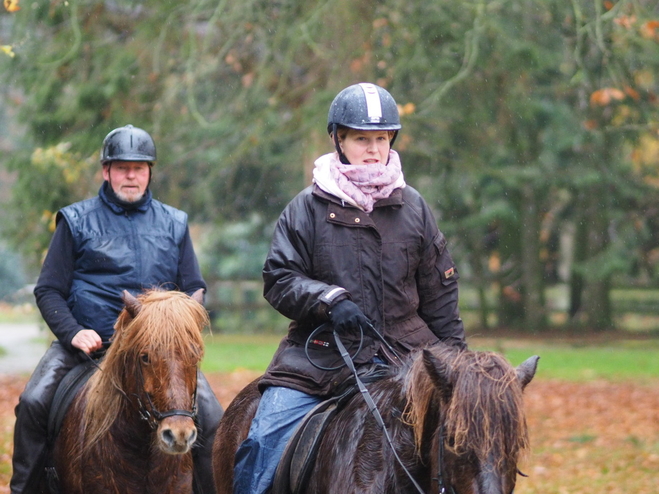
(372, 407)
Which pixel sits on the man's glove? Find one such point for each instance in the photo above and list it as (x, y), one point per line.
(346, 315)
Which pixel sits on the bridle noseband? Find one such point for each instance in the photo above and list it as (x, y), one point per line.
(148, 410)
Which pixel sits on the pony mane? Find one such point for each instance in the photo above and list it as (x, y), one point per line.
(481, 404)
(168, 324)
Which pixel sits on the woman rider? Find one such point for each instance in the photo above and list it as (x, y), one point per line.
(359, 246)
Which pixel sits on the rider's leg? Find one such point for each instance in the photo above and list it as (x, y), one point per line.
(279, 412)
(31, 428)
(209, 413)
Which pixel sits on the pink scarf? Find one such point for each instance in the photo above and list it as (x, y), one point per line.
(361, 185)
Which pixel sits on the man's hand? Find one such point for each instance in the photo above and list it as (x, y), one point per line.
(87, 340)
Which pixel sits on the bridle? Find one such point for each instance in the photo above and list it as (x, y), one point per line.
(148, 410)
(442, 488)
(441, 484)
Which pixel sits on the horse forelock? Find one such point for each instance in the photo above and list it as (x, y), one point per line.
(484, 414)
(168, 325)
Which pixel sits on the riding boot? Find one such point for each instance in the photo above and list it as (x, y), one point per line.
(209, 413)
(31, 428)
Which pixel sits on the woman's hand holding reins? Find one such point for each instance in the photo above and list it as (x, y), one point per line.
(346, 315)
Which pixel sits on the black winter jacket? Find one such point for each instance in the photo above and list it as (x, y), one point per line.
(393, 263)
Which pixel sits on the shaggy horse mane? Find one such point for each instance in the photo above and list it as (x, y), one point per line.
(480, 404)
(168, 325)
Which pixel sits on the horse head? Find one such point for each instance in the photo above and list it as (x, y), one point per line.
(151, 369)
(473, 423)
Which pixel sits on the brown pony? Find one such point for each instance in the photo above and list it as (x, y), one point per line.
(455, 418)
(130, 429)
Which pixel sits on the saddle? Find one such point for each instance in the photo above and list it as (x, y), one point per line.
(67, 389)
(301, 450)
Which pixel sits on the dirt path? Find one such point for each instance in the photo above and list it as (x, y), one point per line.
(589, 438)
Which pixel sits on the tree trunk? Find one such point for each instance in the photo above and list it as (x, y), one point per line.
(596, 297)
(576, 276)
(535, 316)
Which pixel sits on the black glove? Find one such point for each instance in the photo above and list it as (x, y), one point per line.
(346, 315)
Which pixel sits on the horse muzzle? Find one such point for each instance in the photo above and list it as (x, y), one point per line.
(176, 435)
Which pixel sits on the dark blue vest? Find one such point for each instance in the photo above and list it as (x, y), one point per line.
(118, 249)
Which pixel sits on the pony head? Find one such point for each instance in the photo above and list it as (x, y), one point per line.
(151, 369)
(469, 405)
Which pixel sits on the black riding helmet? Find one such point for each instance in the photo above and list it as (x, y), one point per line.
(363, 106)
(128, 144)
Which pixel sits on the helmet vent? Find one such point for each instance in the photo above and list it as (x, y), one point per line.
(373, 106)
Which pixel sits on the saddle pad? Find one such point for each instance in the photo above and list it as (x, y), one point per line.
(66, 391)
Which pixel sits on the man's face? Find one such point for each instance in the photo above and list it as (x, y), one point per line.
(128, 179)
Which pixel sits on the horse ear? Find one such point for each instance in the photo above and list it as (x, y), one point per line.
(198, 296)
(133, 305)
(526, 370)
(439, 373)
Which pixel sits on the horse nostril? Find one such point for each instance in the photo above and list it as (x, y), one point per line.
(167, 437)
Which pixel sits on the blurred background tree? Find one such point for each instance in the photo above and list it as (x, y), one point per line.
(529, 125)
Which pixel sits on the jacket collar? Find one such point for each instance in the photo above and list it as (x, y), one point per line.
(120, 207)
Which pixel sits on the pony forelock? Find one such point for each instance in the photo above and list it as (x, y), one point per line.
(485, 411)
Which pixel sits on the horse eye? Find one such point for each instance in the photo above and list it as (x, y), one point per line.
(145, 358)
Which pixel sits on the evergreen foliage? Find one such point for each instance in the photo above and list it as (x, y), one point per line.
(522, 120)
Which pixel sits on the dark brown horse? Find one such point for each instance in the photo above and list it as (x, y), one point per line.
(455, 418)
(131, 427)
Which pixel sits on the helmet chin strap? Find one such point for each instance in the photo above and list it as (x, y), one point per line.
(337, 145)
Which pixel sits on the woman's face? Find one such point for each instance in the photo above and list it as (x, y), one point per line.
(365, 147)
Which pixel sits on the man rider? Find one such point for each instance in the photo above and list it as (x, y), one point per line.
(122, 239)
